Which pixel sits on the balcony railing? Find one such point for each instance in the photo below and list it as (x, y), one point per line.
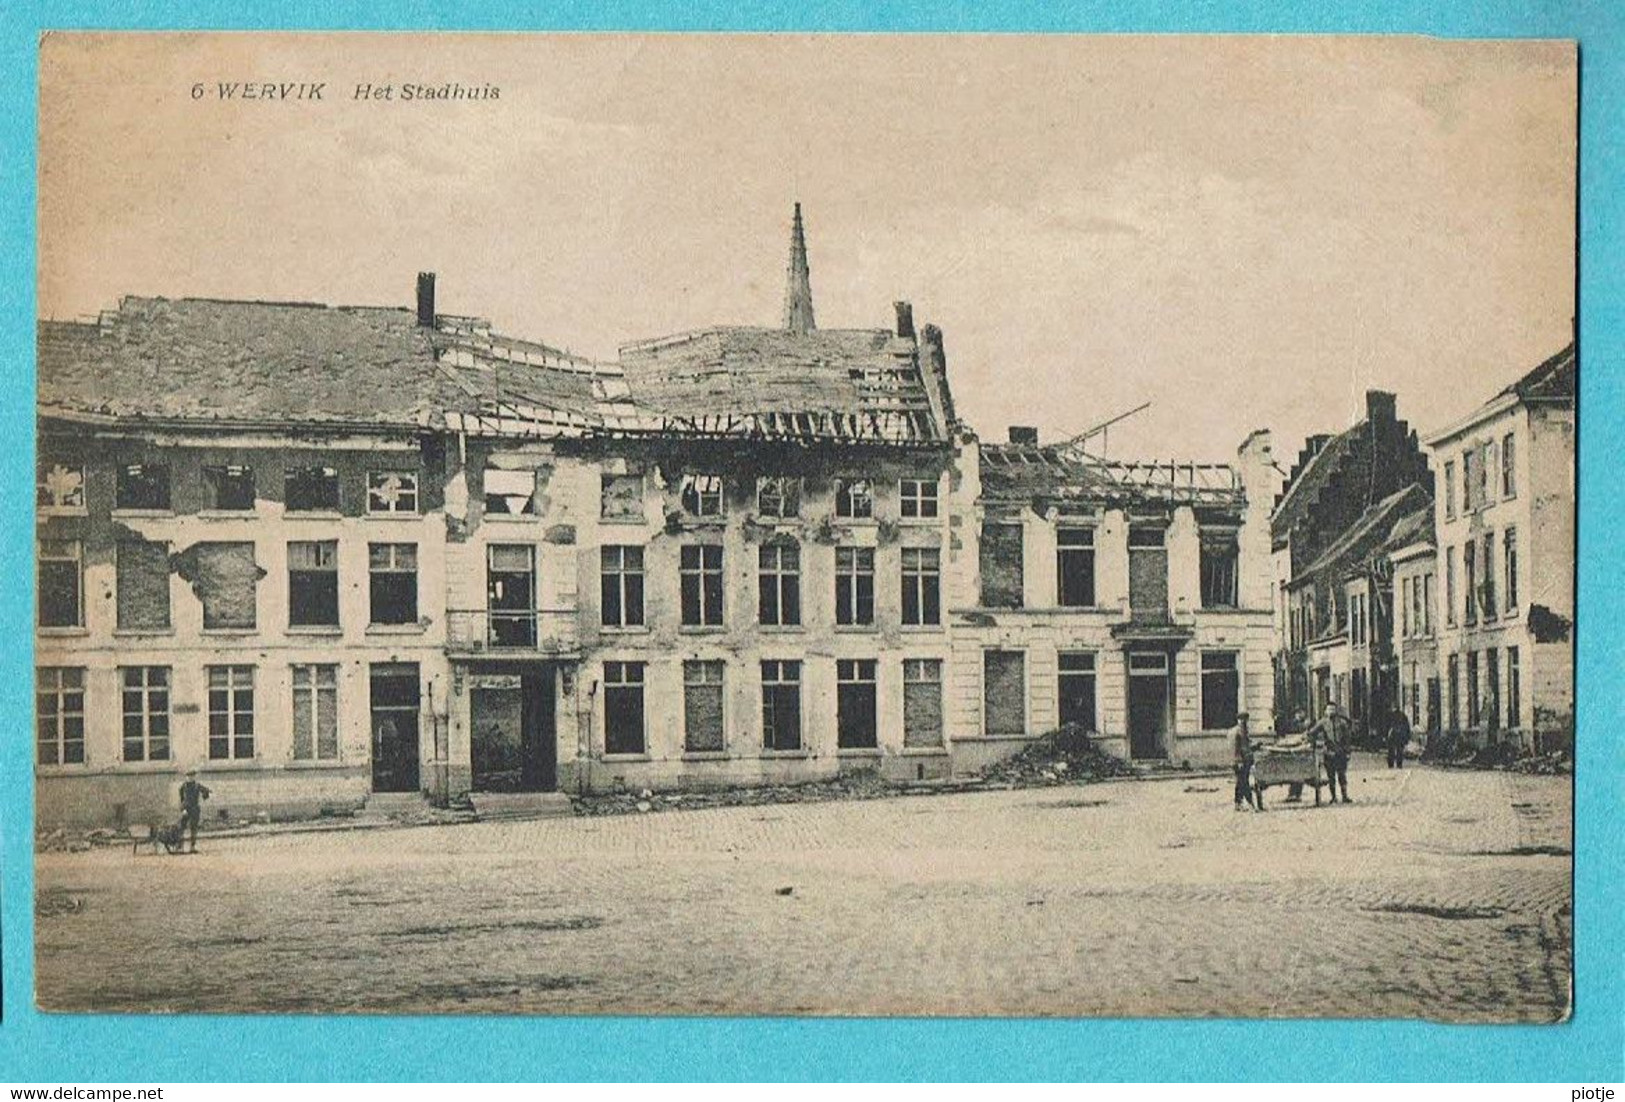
(507, 631)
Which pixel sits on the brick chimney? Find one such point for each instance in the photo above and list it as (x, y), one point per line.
(905, 319)
(426, 299)
(1380, 407)
(1023, 434)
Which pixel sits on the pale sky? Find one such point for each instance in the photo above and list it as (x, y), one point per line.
(1245, 232)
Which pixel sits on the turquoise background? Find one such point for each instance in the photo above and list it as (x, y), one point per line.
(67, 1049)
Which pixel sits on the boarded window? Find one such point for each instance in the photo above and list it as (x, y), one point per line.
(1148, 573)
(855, 704)
(231, 488)
(59, 487)
(392, 576)
(315, 713)
(620, 497)
(623, 708)
(59, 711)
(854, 585)
(620, 586)
(917, 497)
(61, 584)
(231, 712)
(702, 495)
(779, 584)
(1004, 692)
(778, 497)
(310, 490)
(313, 583)
(1075, 567)
(854, 497)
(702, 707)
(226, 580)
(145, 702)
(1221, 690)
(1220, 555)
(142, 571)
(1001, 555)
(392, 492)
(781, 705)
(922, 585)
(700, 576)
(142, 486)
(922, 702)
(1076, 682)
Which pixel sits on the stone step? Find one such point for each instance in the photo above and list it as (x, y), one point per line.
(507, 806)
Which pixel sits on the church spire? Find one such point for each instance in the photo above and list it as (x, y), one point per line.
(798, 306)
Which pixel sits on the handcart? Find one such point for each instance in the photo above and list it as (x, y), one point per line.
(1296, 761)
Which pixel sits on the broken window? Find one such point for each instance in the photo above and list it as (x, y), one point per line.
(143, 486)
(621, 586)
(145, 702)
(922, 702)
(395, 491)
(778, 497)
(392, 576)
(1221, 690)
(854, 585)
(1220, 555)
(700, 577)
(702, 707)
(1004, 692)
(231, 712)
(59, 711)
(1001, 565)
(620, 497)
(779, 582)
(1148, 572)
(1076, 675)
(1075, 567)
(509, 493)
(226, 580)
(855, 704)
(917, 497)
(61, 584)
(702, 495)
(59, 487)
(1509, 567)
(310, 490)
(141, 574)
(623, 708)
(510, 594)
(231, 488)
(316, 713)
(854, 497)
(922, 585)
(1509, 466)
(781, 705)
(313, 583)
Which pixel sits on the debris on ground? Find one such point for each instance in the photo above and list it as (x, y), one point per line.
(1062, 756)
(57, 901)
(784, 891)
(865, 784)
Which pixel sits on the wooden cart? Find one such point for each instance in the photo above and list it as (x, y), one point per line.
(1303, 765)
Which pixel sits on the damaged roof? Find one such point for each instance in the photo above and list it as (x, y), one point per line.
(1062, 473)
(1368, 535)
(1555, 379)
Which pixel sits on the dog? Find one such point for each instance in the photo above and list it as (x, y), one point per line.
(170, 837)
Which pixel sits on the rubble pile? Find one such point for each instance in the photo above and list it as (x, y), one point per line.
(1555, 764)
(1062, 756)
(863, 784)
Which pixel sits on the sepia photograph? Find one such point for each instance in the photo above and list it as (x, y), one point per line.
(1061, 526)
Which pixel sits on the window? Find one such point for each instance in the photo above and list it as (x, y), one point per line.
(1077, 689)
(59, 487)
(1450, 586)
(61, 584)
(778, 497)
(1514, 689)
(315, 713)
(702, 495)
(700, 574)
(1220, 553)
(1004, 692)
(141, 573)
(922, 586)
(509, 493)
(143, 486)
(855, 704)
(510, 594)
(1492, 689)
(1487, 597)
(59, 711)
(1450, 490)
(146, 712)
(1357, 696)
(392, 571)
(1221, 690)
(1509, 567)
(310, 490)
(1001, 565)
(1472, 688)
(854, 497)
(1075, 567)
(1509, 467)
(1469, 564)
(1357, 619)
(313, 583)
(702, 707)
(231, 488)
(922, 702)
(1427, 603)
(781, 705)
(917, 497)
(854, 585)
(621, 586)
(623, 707)
(231, 712)
(620, 497)
(226, 576)
(1453, 666)
(394, 491)
(1407, 603)
(780, 584)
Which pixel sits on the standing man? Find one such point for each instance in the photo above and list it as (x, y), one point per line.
(1243, 745)
(192, 796)
(1399, 736)
(1339, 733)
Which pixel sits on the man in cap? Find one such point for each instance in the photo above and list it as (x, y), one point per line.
(1242, 745)
(192, 796)
(1338, 733)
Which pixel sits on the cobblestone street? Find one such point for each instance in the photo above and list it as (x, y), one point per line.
(1435, 894)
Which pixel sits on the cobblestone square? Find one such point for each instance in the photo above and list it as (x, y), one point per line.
(1437, 894)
